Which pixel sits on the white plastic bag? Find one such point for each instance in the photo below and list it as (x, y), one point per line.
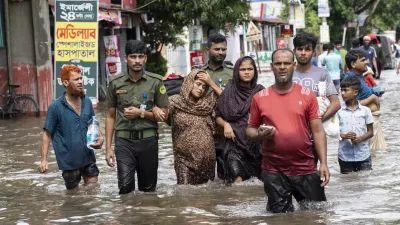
(331, 126)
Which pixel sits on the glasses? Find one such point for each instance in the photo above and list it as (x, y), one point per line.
(246, 69)
(134, 56)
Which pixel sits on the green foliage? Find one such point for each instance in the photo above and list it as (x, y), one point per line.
(387, 15)
(312, 20)
(156, 64)
(171, 16)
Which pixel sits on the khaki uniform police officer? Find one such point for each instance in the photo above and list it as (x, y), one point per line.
(131, 98)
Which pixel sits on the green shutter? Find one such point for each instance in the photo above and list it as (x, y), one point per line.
(1, 26)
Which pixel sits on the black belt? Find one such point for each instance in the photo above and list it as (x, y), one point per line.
(136, 135)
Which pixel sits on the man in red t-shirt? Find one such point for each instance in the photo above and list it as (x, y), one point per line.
(290, 111)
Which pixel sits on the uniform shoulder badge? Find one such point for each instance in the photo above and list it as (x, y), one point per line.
(163, 90)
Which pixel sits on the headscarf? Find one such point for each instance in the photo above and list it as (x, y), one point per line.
(201, 107)
(234, 102)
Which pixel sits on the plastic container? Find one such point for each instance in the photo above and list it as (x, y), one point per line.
(93, 131)
(143, 105)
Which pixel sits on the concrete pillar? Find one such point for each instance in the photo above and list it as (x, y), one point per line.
(43, 59)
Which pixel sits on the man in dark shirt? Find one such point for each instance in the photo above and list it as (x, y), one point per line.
(371, 54)
(66, 126)
(220, 75)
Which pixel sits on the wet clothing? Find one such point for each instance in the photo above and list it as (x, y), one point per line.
(365, 90)
(68, 133)
(193, 128)
(289, 152)
(355, 121)
(280, 189)
(348, 167)
(73, 177)
(241, 157)
(123, 92)
(136, 141)
(221, 76)
(312, 78)
(136, 155)
(377, 142)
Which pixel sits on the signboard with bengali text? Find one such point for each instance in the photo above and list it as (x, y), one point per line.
(76, 38)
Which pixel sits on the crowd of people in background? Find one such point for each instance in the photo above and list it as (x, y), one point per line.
(223, 122)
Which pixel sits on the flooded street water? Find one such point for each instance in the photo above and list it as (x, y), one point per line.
(28, 197)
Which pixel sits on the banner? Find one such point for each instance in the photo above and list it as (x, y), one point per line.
(111, 44)
(299, 16)
(287, 30)
(113, 60)
(76, 37)
(113, 69)
(196, 59)
(195, 38)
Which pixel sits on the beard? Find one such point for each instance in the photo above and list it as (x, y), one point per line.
(216, 59)
(282, 80)
(76, 92)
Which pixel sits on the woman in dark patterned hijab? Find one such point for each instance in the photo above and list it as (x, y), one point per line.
(242, 157)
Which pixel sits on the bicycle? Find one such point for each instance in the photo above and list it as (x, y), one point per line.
(19, 104)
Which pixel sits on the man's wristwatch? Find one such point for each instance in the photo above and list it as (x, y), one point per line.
(142, 114)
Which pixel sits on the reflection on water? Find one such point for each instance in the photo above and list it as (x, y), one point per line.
(31, 198)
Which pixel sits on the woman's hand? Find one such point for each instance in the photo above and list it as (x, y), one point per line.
(228, 131)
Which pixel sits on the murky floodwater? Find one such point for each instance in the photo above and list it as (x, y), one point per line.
(28, 197)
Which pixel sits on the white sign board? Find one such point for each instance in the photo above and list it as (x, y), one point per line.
(324, 34)
(323, 8)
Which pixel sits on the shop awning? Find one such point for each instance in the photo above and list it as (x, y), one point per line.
(270, 20)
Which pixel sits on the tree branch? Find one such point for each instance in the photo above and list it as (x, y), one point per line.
(365, 7)
(368, 20)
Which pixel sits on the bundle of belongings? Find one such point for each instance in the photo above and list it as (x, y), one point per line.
(173, 83)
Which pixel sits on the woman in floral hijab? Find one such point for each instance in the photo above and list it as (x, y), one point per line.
(191, 115)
